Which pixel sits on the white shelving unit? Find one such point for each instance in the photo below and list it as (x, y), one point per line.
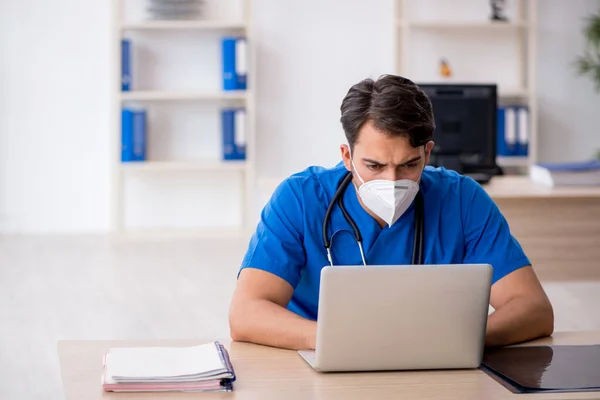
(466, 23)
(240, 171)
(458, 25)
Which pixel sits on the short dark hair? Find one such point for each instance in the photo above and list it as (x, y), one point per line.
(395, 105)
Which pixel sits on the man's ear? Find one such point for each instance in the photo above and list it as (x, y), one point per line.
(428, 147)
(346, 156)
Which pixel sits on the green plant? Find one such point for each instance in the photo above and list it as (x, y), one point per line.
(589, 63)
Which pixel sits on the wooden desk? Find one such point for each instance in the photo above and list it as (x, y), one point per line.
(559, 228)
(521, 187)
(266, 373)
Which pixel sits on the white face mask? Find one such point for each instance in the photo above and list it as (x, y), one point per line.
(387, 199)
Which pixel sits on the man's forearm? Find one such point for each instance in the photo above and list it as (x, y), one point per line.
(264, 322)
(517, 321)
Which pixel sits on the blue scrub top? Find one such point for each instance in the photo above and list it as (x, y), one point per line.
(462, 225)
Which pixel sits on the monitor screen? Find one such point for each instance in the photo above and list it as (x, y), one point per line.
(465, 118)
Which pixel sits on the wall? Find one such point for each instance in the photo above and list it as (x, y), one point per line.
(54, 116)
(55, 98)
(569, 109)
(310, 53)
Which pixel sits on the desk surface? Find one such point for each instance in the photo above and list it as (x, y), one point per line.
(266, 373)
(521, 187)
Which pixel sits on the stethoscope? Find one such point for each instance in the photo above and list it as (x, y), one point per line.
(417, 255)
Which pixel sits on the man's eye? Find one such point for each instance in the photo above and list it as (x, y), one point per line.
(411, 165)
(373, 167)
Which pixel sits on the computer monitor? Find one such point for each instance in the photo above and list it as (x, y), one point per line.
(465, 134)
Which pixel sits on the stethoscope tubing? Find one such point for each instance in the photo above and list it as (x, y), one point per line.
(417, 255)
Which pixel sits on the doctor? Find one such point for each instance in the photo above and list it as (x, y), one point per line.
(384, 185)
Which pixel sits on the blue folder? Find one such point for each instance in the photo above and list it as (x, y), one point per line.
(133, 135)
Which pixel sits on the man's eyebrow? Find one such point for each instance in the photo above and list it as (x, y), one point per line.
(412, 160)
(373, 161)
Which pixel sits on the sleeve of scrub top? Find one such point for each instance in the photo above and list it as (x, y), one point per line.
(277, 244)
(487, 235)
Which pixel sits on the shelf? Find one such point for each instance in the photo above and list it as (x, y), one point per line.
(174, 95)
(204, 166)
(183, 25)
(458, 25)
(515, 161)
(513, 93)
(509, 93)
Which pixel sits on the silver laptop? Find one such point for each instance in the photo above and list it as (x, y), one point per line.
(404, 317)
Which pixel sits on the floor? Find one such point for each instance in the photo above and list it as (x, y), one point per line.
(98, 287)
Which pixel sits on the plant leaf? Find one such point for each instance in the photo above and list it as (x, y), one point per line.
(584, 64)
(596, 73)
(589, 63)
(592, 30)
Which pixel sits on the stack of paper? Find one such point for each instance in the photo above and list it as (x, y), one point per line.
(175, 9)
(585, 173)
(159, 369)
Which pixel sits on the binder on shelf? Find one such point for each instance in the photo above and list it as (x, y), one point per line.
(235, 70)
(512, 138)
(523, 133)
(133, 134)
(233, 126)
(125, 65)
(241, 68)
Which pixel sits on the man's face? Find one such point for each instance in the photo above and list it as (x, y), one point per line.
(379, 156)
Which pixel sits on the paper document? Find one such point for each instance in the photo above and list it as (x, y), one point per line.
(203, 367)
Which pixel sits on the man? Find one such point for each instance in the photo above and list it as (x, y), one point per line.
(389, 126)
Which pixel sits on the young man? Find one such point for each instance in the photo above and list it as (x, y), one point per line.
(389, 126)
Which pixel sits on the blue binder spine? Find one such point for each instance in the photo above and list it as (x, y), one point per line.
(241, 66)
(522, 148)
(126, 135)
(235, 65)
(133, 135)
(227, 128)
(228, 58)
(239, 131)
(233, 123)
(125, 65)
(510, 130)
(139, 135)
(512, 134)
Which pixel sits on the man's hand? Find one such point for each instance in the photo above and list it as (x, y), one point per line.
(522, 309)
(258, 314)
